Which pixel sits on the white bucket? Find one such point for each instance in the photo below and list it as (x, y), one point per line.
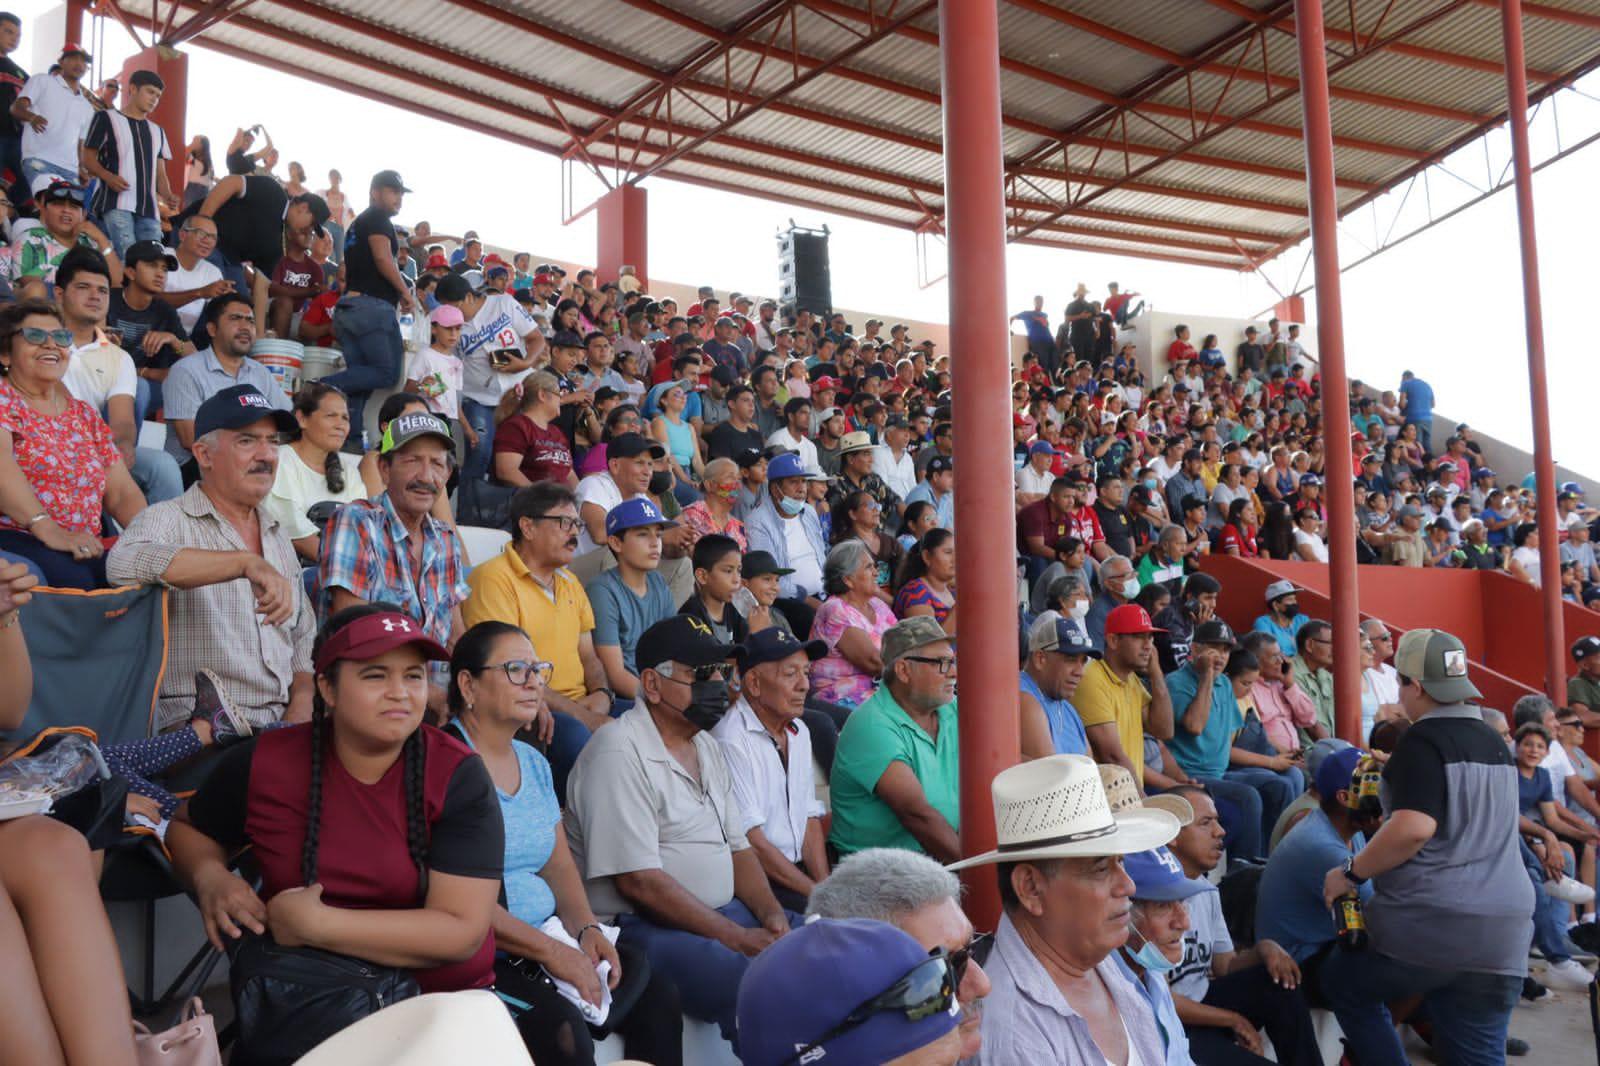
(318, 363)
(283, 359)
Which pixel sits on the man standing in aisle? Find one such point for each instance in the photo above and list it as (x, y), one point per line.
(56, 111)
(124, 151)
(365, 320)
(1450, 913)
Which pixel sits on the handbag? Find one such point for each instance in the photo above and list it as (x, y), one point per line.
(289, 1000)
(192, 1042)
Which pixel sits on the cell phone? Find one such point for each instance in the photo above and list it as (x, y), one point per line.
(503, 357)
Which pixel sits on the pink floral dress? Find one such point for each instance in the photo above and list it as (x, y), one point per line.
(65, 459)
(833, 677)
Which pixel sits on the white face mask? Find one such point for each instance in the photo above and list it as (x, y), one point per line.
(1078, 611)
(1130, 587)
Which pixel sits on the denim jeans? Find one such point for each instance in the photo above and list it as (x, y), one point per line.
(1277, 790)
(374, 353)
(125, 227)
(40, 172)
(231, 271)
(1549, 913)
(481, 417)
(1245, 839)
(157, 474)
(1469, 1011)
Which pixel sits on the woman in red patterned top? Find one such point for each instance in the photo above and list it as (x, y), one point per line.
(929, 580)
(59, 467)
(714, 512)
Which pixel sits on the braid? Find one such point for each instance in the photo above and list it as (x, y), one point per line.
(416, 815)
(308, 853)
(333, 471)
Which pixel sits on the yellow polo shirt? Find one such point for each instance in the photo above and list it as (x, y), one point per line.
(504, 591)
(1102, 698)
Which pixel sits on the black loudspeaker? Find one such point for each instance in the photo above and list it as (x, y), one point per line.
(803, 279)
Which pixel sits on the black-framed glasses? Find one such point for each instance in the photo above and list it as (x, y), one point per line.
(62, 338)
(944, 663)
(962, 958)
(709, 672)
(521, 671)
(929, 988)
(568, 523)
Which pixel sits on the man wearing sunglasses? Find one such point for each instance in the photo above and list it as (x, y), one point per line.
(658, 835)
(895, 775)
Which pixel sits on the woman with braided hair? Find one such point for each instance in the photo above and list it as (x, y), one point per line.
(312, 468)
(377, 836)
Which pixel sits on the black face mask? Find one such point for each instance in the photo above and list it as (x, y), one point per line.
(708, 703)
(1290, 609)
(661, 482)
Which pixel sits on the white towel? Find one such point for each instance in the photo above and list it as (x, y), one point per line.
(553, 929)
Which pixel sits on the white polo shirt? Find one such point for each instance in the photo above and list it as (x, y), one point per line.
(777, 801)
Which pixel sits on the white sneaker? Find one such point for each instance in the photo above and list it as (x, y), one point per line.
(1567, 976)
(1570, 891)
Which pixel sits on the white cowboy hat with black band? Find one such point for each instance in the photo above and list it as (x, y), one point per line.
(1056, 808)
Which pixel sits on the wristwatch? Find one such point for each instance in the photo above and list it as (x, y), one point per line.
(1350, 872)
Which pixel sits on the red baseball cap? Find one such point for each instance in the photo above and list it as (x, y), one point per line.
(825, 382)
(544, 279)
(1018, 419)
(1128, 619)
(437, 261)
(372, 635)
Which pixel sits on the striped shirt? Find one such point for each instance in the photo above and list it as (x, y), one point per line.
(129, 148)
(216, 626)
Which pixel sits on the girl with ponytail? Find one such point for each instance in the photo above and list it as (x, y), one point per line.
(312, 468)
(376, 836)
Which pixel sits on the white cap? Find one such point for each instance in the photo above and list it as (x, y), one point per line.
(1279, 588)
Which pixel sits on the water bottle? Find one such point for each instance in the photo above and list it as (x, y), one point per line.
(408, 322)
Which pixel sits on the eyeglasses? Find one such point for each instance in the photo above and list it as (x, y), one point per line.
(945, 663)
(61, 338)
(962, 958)
(710, 672)
(520, 671)
(929, 988)
(568, 523)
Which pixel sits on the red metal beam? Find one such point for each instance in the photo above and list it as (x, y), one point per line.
(210, 15)
(1554, 14)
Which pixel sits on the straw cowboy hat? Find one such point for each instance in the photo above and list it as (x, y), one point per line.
(1123, 796)
(1056, 808)
(442, 1027)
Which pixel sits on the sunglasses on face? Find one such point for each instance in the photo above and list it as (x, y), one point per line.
(711, 672)
(962, 958)
(929, 988)
(61, 338)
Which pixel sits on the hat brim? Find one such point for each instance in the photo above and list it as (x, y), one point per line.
(857, 448)
(663, 522)
(1452, 690)
(1176, 806)
(1172, 892)
(780, 571)
(1140, 830)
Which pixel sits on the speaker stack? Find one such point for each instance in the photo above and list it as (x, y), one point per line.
(803, 281)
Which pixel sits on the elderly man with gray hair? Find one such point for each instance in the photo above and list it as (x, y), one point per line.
(895, 780)
(921, 898)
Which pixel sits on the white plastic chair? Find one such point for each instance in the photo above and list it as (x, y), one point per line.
(482, 543)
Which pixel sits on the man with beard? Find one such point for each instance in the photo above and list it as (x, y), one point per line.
(391, 549)
(230, 323)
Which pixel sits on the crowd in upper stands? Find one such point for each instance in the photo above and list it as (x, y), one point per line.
(583, 766)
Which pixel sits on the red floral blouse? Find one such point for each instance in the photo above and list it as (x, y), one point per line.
(65, 459)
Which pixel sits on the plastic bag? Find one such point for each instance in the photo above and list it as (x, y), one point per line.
(64, 764)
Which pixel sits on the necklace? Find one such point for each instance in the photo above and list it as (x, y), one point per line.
(35, 400)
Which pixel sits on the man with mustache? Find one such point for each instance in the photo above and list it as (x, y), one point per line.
(230, 322)
(238, 607)
(391, 549)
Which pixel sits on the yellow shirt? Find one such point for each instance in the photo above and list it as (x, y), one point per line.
(504, 591)
(1102, 698)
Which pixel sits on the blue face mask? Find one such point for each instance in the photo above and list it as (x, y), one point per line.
(791, 506)
(1149, 956)
(1150, 483)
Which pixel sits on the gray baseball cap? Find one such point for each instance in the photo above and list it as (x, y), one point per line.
(905, 637)
(1437, 660)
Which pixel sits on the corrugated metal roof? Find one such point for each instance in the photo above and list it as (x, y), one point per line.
(1180, 135)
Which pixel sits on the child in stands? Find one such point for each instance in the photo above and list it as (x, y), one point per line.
(717, 567)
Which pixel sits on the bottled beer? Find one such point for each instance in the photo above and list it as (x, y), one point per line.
(1349, 923)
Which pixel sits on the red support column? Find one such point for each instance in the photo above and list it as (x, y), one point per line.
(1538, 386)
(1322, 196)
(980, 345)
(171, 113)
(624, 233)
(75, 12)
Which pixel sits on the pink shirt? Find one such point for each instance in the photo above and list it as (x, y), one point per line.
(833, 677)
(1282, 710)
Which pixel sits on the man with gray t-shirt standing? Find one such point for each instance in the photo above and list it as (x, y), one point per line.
(1451, 912)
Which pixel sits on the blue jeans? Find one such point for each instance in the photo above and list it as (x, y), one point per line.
(1245, 840)
(1549, 913)
(374, 353)
(157, 474)
(706, 973)
(231, 271)
(565, 745)
(481, 417)
(1277, 790)
(1469, 1011)
(125, 227)
(39, 172)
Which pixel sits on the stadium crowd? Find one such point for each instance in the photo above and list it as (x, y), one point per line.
(582, 767)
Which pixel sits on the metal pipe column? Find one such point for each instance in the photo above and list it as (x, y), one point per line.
(981, 366)
(1555, 655)
(1323, 199)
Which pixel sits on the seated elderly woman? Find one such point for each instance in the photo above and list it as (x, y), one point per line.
(851, 622)
(59, 467)
(714, 512)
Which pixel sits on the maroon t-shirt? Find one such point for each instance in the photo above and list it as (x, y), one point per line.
(546, 453)
(299, 273)
(258, 795)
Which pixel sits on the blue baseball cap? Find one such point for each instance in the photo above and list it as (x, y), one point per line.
(774, 643)
(1336, 771)
(1158, 876)
(631, 514)
(789, 464)
(809, 981)
(1483, 472)
(1041, 447)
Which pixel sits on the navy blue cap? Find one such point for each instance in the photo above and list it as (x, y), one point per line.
(681, 638)
(632, 445)
(774, 643)
(237, 407)
(809, 981)
(1335, 771)
(1158, 876)
(631, 514)
(789, 464)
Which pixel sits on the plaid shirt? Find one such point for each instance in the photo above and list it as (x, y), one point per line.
(365, 552)
(216, 626)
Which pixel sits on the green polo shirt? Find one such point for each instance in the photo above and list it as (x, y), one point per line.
(1318, 684)
(877, 734)
(1582, 690)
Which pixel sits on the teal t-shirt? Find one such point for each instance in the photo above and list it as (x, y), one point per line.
(621, 616)
(1205, 755)
(876, 734)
